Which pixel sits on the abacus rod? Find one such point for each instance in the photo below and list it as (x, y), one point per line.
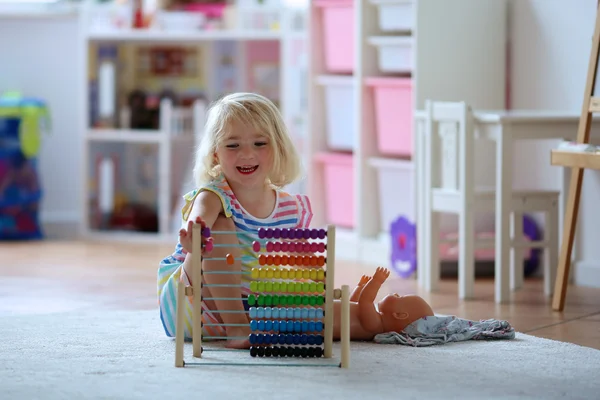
(226, 337)
(227, 272)
(221, 285)
(222, 298)
(224, 324)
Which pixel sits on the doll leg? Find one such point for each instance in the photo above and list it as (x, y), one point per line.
(226, 224)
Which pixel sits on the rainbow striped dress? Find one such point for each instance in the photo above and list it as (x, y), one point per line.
(290, 211)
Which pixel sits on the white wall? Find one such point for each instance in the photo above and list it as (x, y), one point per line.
(39, 58)
(551, 42)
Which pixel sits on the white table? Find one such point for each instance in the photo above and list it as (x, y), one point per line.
(505, 127)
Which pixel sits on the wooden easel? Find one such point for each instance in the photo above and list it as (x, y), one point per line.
(578, 162)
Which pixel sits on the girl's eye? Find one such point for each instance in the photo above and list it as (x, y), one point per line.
(232, 146)
(260, 144)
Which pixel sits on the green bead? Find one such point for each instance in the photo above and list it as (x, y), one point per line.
(306, 300)
(297, 300)
(268, 300)
(251, 300)
(320, 300)
(283, 300)
(261, 300)
(312, 300)
(275, 300)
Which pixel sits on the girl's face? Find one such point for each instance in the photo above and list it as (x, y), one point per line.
(245, 156)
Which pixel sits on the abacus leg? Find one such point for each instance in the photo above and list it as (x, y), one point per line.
(235, 279)
(345, 327)
(179, 325)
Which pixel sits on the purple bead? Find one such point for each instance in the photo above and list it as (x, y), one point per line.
(261, 233)
(314, 234)
(322, 233)
(269, 233)
(284, 233)
(276, 233)
(298, 234)
(206, 231)
(306, 233)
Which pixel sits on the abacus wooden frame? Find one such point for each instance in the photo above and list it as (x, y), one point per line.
(194, 290)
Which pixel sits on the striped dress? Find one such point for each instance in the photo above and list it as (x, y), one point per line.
(290, 211)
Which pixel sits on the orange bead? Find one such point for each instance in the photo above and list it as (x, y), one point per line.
(292, 261)
(262, 259)
(306, 260)
(313, 261)
(269, 260)
(321, 261)
(229, 259)
(284, 260)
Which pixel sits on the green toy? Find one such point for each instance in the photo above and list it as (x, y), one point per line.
(31, 112)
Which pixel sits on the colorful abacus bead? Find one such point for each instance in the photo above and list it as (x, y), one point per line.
(208, 246)
(206, 231)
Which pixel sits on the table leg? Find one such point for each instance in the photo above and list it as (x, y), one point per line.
(503, 197)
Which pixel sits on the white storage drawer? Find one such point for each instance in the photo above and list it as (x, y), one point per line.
(339, 109)
(395, 15)
(395, 53)
(395, 180)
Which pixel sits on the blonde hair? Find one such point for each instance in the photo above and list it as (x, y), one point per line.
(259, 112)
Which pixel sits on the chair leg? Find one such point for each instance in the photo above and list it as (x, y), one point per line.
(517, 258)
(432, 250)
(551, 251)
(466, 255)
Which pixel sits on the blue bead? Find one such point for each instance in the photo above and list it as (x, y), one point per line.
(252, 312)
(253, 325)
(268, 325)
(298, 313)
(281, 339)
(296, 339)
(260, 312)
(290, 326)
(252, 338)
(311, 326)
(297, 326)
(319, 340)
(268, 312)
(275, 312)
(319, 313)
(303, 339)
(304, 326)
(282, 326)
(319, 326)
(311, 313)
(310, 339)
(304, 313)
(267, 339)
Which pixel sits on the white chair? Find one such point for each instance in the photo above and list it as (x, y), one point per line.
(445, 151)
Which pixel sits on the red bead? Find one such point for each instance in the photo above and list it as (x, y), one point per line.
(256, 246)
(277, 246)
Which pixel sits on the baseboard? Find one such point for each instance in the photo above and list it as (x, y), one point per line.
(587, 273)
(60, 225)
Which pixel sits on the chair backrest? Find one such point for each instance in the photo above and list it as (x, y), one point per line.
(448, 145)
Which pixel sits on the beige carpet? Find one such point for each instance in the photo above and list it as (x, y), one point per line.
(124, 355)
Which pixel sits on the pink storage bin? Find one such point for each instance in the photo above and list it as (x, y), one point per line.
(338, 35)
(210, 10)
(339, 188)
(393, 114)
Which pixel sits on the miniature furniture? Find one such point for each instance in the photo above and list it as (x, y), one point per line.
(446, 149)
(578, 162)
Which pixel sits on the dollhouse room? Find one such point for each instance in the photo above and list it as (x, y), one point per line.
(448, 148)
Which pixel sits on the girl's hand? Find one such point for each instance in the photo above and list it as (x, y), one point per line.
(185, 236)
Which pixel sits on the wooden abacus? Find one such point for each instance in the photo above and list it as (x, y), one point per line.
(284, 332)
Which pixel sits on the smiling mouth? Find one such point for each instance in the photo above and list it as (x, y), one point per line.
(247, 170)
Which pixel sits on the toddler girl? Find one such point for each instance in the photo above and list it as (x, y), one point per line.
(244, 159)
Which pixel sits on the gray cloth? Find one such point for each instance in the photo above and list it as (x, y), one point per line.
(438, 329)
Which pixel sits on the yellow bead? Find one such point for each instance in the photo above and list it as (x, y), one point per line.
(254, 273)
(306, 273)
(320, 274)
(270, 273)
(277, 274)
(263, 273)
(313, 274)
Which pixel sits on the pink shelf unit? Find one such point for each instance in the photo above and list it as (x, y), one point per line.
(339, 187)
(338, 35)
(393, 114)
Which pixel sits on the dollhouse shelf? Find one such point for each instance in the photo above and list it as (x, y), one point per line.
(133, 136)
(160, 36)
(575, 160)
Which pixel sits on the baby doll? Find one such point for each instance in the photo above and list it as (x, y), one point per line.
(392, 314)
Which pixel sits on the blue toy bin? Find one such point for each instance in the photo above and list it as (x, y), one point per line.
(20, 191)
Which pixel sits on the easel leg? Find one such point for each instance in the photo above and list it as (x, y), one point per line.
(570, 224)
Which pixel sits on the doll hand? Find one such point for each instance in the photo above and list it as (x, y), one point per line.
(185, 237)
(363, 280)
(381, 274)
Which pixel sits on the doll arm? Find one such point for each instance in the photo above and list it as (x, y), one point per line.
(369, 317)
(358, 289)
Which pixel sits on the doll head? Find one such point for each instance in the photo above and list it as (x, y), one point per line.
(398, 312)
(260, 115)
